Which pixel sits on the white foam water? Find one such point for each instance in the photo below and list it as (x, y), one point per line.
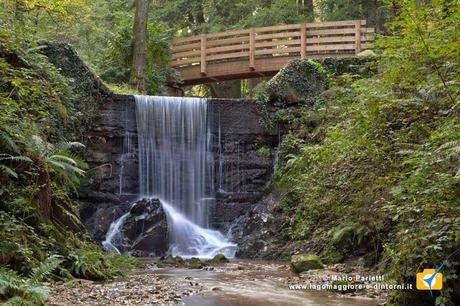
(191, 240)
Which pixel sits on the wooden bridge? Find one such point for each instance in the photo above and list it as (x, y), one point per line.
(264, 51)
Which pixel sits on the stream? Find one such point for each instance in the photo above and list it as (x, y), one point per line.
(238, 283)
(245, 283)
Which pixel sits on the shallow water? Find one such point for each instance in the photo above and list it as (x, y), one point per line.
(243, 283)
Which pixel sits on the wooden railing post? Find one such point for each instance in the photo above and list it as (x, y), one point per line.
(358, 36)
(303, 40)
(203, 54)
(252, 50)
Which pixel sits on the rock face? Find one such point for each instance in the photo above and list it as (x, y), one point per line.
(145, 231)
(99, 209)
(258, 232)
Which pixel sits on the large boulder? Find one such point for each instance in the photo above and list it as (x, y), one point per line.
(304, 262)
(145, 230)
(299, 83)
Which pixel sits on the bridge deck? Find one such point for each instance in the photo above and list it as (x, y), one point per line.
(264, 51)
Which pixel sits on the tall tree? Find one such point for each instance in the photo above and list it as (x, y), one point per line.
(137, 80)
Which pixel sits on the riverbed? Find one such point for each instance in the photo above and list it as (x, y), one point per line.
(238, 283)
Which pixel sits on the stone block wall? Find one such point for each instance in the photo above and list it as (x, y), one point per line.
(242, 167)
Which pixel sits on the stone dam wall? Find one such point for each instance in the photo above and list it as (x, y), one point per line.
(243, 162)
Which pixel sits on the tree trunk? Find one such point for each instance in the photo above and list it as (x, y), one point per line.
(44, 193)
(137, 80)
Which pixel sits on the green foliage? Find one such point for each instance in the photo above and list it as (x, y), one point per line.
(41, 111)
(58, 159)
(422, 52)
(18, 290)
(206, 16)
(91, 264)
(344, 240)
(264, 151)
(375, 158)
(375, 12)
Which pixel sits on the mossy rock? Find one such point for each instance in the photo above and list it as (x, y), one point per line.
(173, 260)
(304, 262)
(195, 263)
(219, 258)
(299, 81)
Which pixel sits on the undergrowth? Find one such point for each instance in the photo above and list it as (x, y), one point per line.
(41, 167)
(370, 169)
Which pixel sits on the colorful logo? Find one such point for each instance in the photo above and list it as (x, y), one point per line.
(430, 279)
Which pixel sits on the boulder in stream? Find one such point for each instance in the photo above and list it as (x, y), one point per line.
(145, 231)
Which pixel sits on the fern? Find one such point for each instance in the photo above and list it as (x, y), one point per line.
(19, 158)
(68, 146)
(8, 171)
(7, 143)
(8, 280)
(451, 148)
(64, 159)
(45, 269)
(27, 291)
(37, 293)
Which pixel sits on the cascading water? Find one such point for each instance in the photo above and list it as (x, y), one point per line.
(176, 166)
(113, 235)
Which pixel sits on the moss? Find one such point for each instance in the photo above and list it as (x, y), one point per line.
(299, 82)
(264, 152)
(305, 262)
(173, 260)
(218, 259)
(195, 263)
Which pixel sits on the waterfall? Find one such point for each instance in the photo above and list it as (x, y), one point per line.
(175, 158)
(176, 165)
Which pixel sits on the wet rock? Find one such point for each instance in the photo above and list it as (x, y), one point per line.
(145, 231)
(305, 262)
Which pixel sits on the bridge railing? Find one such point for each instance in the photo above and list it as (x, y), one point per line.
(319, 39)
